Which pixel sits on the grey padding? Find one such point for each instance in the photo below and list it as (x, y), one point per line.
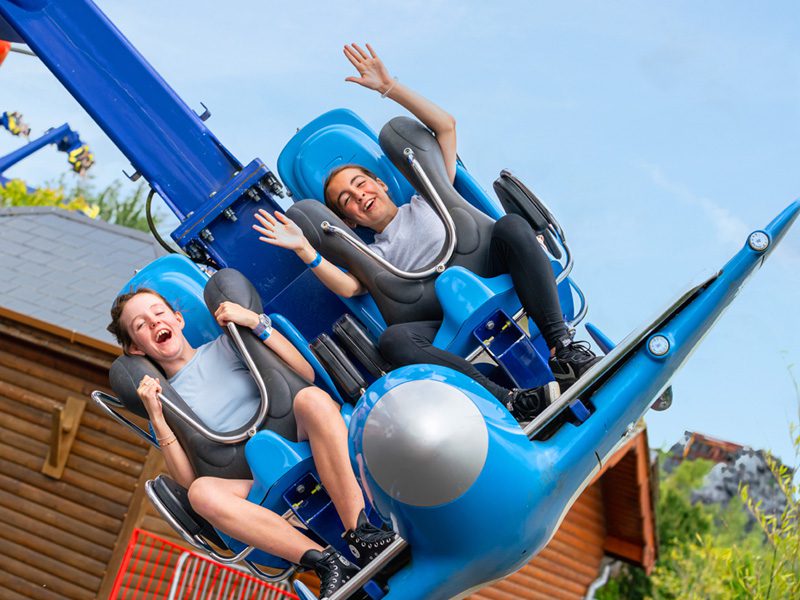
(207, 457)
(402, 300)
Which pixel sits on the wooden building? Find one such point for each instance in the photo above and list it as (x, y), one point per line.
(64, 531)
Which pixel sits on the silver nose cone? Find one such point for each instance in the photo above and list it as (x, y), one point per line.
(425, 443)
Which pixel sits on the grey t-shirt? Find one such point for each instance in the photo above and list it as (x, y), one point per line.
(218, 387)
(414, 238)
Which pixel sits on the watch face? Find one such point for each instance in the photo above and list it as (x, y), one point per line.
(264, 320)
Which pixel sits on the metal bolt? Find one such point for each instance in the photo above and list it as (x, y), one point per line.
(490, 325)
(230, 215)
(253, 194)
(301, 488)
(206, 235)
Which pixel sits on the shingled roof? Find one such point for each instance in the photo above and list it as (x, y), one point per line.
(64, 268)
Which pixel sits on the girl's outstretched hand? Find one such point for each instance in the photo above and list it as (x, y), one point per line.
(279, 230)
(372, 72)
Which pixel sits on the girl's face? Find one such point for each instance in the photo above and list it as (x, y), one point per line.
(155, 330)
(360, 199)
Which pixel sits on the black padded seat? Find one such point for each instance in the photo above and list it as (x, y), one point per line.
(206, 456)
(402, 300)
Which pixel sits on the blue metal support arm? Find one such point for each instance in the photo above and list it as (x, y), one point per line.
(164, 139)
(64, 137)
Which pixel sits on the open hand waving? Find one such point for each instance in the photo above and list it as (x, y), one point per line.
(279, 230)
(372, 72)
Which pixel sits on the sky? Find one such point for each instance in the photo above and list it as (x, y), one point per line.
(660, 134)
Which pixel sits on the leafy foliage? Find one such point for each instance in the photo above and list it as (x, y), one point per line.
(108, 204)
(731, 552)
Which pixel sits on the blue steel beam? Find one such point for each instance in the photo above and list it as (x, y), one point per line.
(64, 137)
(209, 190)
(163, 138)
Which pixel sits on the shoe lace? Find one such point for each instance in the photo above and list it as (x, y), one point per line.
(577, 350)
(330, 574)
(528, 402)
(370, 534)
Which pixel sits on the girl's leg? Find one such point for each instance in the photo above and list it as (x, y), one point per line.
(412, 343)
(319, 422)
(514, 249)
(222, 502)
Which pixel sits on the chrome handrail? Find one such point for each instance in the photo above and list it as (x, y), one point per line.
(201, 544)
(260, 416)
(262, 388)
(570, 261)
(103, 400)
(444, 215)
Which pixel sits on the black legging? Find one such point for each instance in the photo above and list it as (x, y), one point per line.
(513, 249)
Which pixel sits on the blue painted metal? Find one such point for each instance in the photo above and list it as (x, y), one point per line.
(181, 283)
(144, 117)
(65, 139)
(215, 196)
(513, 350)
(547, 475)
(601, 339)
(198, 178)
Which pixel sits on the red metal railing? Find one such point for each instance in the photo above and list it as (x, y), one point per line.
(154, 568)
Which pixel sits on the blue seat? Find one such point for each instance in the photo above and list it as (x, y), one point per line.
(283, 470)
(340, 137)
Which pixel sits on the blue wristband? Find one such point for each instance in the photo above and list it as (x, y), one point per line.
(315, 262)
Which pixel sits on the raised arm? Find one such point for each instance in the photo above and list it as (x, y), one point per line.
(279, 230)
(175, 457)
(374, 75)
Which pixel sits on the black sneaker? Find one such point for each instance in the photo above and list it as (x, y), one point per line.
(572, 360)
(525, 405)
(333, 570)
(366, 541)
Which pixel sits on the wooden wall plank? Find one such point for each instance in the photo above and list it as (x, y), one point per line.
(57, 576)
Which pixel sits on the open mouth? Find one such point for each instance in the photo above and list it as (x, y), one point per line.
(162, 335)
(368, 204)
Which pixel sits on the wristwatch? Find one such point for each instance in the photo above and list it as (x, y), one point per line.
(264, 328)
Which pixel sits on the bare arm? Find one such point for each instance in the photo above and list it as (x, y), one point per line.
(374, 75)
(230, 312)
(175, 457)
(281, 231)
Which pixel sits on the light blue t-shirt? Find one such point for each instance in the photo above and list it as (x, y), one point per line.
(218, 387)
(414, 238)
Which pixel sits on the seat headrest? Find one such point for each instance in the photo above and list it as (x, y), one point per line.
(338, 137)
(181, 282)
(126, 373)
(231, 285)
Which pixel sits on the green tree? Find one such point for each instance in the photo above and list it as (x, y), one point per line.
(108, 204)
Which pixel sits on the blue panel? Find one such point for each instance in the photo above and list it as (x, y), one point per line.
(467, 300)
(338, 137)
(181, 282)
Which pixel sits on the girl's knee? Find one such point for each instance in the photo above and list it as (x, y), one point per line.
(204, 496)
(511, 227)
(394, 345)
(312, 401)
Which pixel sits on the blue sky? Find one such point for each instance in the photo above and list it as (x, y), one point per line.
(660, 134)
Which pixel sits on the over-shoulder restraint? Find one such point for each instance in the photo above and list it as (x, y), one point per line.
(210, 457)
(402, 300)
